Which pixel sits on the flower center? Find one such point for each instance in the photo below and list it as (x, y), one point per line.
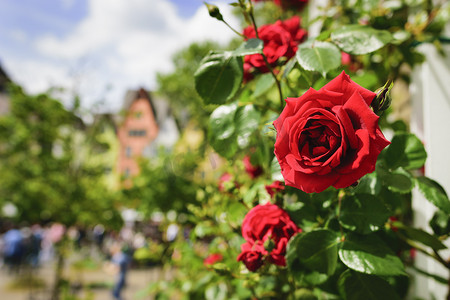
(319, 140)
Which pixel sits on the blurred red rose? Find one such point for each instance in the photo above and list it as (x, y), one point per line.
(212, 259)
(280, 40)
(291, 4)
(286, 4)
(328, 137)
(274, 187)
(349, 61)
(266, 223)
(253, 171)
(226, 177)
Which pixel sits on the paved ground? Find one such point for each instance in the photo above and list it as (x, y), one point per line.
(137, 282)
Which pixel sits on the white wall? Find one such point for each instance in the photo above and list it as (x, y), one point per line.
(430, 120)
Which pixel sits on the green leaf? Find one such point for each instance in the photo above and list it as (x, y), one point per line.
(368, 184)
(359, 39)
(317, 250)
(368, 254)
(407, 151)
(363, 213)
(304, 294)
(219, 77)
(419, 236)
(440, 223)
(434, 193)
(275, 170)
(231, 127)
(263, 84)
(398, 181)
(251, 46)
(318, 56)
(356, 286)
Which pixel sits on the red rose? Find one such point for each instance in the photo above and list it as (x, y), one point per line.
(328, 137)
(263, 223)
(252, 255)
(274, 187)
(212, 259)
(253, 171)
(280, 40)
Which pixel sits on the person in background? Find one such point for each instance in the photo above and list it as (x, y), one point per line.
(14, 248)
(121, 256)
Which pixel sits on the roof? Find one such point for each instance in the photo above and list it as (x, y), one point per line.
(160, 107)
(168, 130)
(4, 79)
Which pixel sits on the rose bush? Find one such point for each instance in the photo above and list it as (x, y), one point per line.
(332, 172)
(328, 137)
(266, 225)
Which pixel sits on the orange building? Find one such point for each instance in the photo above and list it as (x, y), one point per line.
(147, 126)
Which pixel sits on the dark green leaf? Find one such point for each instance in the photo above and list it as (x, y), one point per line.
(252, 46)
(398, 181)
(317, 250)
(219, 77)
(359, 39)
(363, 213)
(318, 56)
(356, 286)
(368, 184)
(368, 254)
(405, 150)
(434, 193)
(440, 223)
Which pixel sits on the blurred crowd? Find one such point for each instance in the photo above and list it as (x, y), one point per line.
(32, 246)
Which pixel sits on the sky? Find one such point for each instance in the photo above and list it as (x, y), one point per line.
(101, 48)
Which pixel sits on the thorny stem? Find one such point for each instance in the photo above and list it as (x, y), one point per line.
(234, 30)
(340, 196)
(280, 93)
(434, 255)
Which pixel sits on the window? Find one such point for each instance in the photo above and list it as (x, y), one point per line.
(138, 114)
(127, 173)
(128, 151)
(134, 132)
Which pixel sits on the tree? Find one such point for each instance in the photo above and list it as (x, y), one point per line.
(44, 151)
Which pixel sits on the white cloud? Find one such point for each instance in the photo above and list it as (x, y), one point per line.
(125, 43)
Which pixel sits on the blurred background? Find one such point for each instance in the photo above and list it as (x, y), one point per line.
(88, 99)
(107, 180)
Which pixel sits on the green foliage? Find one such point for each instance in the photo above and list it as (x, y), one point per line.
(318, 56)
(363, 213)
(44, 173)
(231, 128)
(358, 39)
(370, 255)
(354, 285)
(219, 77)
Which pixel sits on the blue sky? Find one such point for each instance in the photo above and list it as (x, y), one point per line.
(100, 48)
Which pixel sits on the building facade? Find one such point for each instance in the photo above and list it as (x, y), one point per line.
(147, 126)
